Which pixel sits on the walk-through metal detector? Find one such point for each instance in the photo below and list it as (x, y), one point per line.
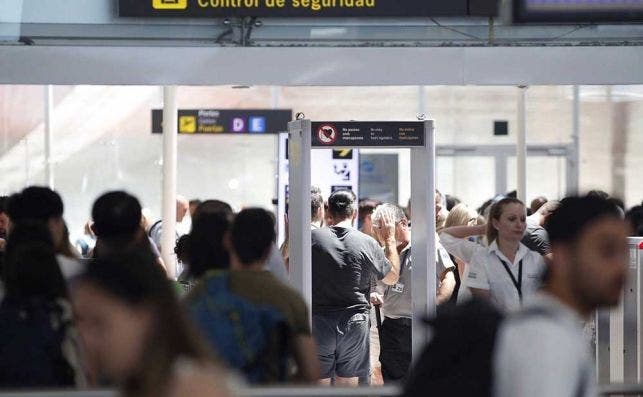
(619, 332)
(304, 136)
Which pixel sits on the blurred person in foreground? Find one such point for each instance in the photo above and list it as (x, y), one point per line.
(269, 324)
(206, 250)
(43, 205)
(4, 217)
(39, 346)
(542, 350)
(635, 219)
(396, 328)
(343, 261)
(117, 224)
(135, 330)
(250, 240)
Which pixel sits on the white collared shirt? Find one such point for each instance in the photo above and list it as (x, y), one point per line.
(487, 272)
(543, 351)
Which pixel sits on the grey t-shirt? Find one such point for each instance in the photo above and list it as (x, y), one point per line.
(343, 260)
(398, 297)
(536, 238)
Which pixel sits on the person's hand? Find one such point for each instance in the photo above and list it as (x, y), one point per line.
(193, 381)
(385, 230)
(377, 299)
(3, 245)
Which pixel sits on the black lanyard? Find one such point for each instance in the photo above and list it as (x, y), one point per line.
(403, 260)
(517, 283)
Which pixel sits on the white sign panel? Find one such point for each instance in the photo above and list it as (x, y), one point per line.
(331, 170)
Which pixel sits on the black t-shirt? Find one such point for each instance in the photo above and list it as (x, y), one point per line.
(343, 260)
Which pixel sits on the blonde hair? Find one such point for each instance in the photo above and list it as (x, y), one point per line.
(461, 215)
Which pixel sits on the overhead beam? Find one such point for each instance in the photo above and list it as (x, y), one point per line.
(338, 66)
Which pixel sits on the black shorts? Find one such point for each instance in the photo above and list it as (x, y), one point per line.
(343, 343)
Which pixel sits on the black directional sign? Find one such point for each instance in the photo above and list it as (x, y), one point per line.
(226, 121)
(367, 134)
(304, 8)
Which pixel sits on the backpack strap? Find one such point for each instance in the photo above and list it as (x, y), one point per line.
(154, 226)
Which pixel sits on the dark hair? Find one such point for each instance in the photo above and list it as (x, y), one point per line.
(452, 201)
(182, 248)
(205, 243)
(30, 268)
(574, 214)
(34, 203)
(212, 206)
(598, 194)
(3, 204)
(341, 204)
(495, 213)
(617, 202)
(196, 202)
(136, 280)
(116, 214)
(635, 218)
(252, 234)
(365, 208)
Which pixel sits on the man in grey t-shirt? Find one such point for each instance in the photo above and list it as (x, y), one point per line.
(343, 261)
(536, 238)
(395, 336)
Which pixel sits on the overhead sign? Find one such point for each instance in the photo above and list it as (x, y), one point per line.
(211, 121)
(303, 8)
(368, 134)
(538, 11)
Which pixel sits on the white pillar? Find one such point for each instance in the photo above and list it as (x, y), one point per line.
(49, 111)
(521, 146)
(168, 237)
(299, 237)
(573, 160)
(423, 237)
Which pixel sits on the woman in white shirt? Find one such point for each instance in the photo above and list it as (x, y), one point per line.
(461, 215)
(506, 271)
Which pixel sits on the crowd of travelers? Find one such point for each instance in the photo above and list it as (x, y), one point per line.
(516, 287)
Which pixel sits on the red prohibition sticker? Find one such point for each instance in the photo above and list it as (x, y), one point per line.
(327, 134)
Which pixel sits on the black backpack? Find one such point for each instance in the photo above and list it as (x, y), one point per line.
(31, 338)
(458, 359)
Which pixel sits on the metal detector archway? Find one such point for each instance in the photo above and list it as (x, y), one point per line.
(304, 136)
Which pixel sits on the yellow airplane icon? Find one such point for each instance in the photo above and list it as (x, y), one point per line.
(187, 124)
(169, 4)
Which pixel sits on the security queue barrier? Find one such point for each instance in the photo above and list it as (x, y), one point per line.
(310, 391)
(295, 391)
(619, 335)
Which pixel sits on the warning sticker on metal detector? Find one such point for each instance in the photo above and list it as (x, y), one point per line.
(327, 134)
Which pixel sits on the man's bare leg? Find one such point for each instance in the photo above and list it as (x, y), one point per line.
(347, 382)
(324, 382)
